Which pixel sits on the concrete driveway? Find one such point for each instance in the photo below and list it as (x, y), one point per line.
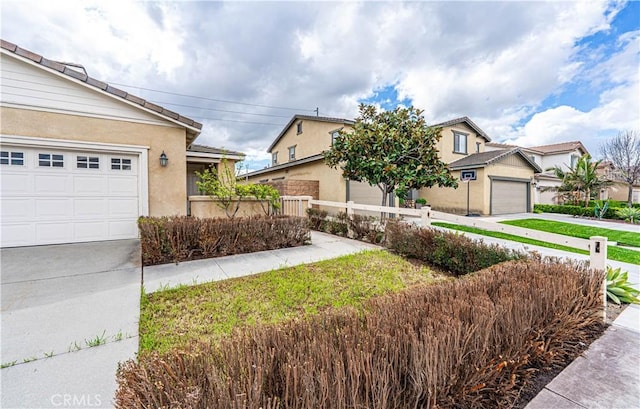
(69, 315)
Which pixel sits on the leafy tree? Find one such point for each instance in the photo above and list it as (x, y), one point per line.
(623, 152)
(394, 150)
(228, 194)
(582, 179)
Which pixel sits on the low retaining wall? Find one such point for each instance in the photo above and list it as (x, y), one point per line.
(205, 206)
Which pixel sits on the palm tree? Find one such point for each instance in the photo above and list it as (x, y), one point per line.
(581, 178)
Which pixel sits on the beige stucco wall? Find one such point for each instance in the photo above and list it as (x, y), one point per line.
(332, 184)
(455, 200)
(315, 138)
(167, 187)
(206, 207)
(445, 144)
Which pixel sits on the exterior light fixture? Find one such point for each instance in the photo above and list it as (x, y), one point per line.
(163, 159)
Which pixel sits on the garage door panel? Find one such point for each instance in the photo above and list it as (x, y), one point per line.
(122, 185)
(122, 229)
(19, 234)
(47, 205)
(90, 231)
(19, 209)
(54, 232)
(46, 208)
(123, 207)
(89, 185)
(89, 207)
(54, 184)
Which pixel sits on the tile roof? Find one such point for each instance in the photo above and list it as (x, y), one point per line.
(211, 149)
(501, 145)
(309, 118)
(280, 166)
(102, 86)
(463, 119)
(558, 148)
(482, 159)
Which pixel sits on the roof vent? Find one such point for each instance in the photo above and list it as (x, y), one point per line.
(74, 66)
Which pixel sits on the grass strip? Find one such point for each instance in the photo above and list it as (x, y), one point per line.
(625, 238)
(172, 318)
(613, 252)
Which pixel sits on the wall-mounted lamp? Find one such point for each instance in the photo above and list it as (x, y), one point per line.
(163, 159)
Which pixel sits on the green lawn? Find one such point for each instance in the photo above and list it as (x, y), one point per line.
(625, 238)
(613, 252)
(205, 312)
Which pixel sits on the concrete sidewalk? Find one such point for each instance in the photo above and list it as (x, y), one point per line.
(323, 246)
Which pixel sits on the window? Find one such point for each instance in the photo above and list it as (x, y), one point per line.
(120, 164)
(478, 147)
(274, 158)
(334, 135)
(50, 160)
(574, 160)
(459, 143)
(292, 152)
(88, 162)
(11, 158)
(533, 158)
(300, 127)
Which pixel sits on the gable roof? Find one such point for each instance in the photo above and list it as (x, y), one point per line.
(500, 145)
(465, 120)
(308, 118)
(211, 149)
(483, 159)
(192, 126)
(562, 147)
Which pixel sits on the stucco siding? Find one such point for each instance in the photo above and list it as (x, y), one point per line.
(167, 187)
(332, 185)
(315, 138)
(445, 144)
(455, 200)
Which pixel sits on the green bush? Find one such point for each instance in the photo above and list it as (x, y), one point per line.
(182, 238)
(448, 251)
(469, 343)
(629, 214)
(590, 211)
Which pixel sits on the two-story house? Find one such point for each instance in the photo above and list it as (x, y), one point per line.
(563, 155)
(494, 182)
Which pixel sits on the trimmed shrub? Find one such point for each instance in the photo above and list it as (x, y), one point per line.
(575, 210)
(449, 251)
(358, 227)
(468, 343)
(182, 238)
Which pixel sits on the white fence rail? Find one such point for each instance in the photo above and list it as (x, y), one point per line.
(596, 246)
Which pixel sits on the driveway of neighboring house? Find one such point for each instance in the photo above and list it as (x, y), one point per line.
(69, 315)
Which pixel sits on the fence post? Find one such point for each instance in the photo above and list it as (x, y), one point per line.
(425, 216)
(598, 262)
(350, 208)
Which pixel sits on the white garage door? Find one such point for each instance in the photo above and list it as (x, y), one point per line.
(509, 197)
(52, 196)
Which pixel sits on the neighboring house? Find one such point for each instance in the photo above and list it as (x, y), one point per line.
(81, 160)
(563, 155)
(619, 189)
(297, 154)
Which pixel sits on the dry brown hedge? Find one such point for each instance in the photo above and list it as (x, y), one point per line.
(449, 251)
(470, 343)
(181, 238)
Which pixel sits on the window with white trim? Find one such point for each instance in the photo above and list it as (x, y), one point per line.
(459, 143)
(11, 158)
(120, 164)
(334, 135)
(478, 144)
(292, 153)
(299, 127)
(88, 162)
(51, 160)
(274, 158)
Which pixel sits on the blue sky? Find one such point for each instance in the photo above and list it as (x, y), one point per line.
(531, 73)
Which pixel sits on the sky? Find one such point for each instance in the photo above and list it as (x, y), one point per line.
(529, 73)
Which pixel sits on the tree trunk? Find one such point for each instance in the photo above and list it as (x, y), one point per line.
(630, 196)
(587, 197)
